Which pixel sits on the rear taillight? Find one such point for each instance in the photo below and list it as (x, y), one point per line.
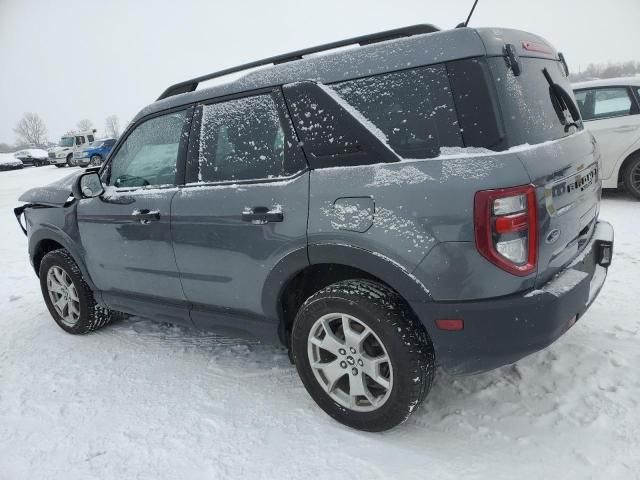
(506, 228)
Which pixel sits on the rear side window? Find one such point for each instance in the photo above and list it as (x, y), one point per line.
(476, 103)
(244, 139)
(413, 108)
(529, 110)
(604, 102)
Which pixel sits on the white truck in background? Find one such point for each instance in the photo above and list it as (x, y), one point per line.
(70, 143)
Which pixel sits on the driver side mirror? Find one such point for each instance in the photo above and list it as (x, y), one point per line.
(87, 185)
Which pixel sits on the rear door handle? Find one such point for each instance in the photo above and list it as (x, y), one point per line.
(262, 215)
(145, 215)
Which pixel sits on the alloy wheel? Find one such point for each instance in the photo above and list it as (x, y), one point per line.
(350, 362)
(635, 177)
(63, 295)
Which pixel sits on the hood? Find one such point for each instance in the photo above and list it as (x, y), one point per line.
(59, 149)
(55, 194)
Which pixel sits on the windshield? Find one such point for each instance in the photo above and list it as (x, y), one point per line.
(533, 110)
(66, 142)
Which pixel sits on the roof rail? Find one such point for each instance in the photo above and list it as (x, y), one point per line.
(191, 85)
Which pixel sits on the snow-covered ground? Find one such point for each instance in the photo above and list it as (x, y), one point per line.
(151, 401)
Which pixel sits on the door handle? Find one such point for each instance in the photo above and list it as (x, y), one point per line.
(145, 215)
(262, 215)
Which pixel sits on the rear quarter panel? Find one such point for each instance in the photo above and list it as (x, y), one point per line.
(421, 210)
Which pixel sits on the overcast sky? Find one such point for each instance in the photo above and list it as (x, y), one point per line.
(74, 59)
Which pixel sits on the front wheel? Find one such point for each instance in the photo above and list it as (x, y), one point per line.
(60, 165)
(631, 177)
(96, 161)
(362, 355)
(68, 297)
(70, 160)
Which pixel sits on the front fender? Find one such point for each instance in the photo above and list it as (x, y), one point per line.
(47, 232)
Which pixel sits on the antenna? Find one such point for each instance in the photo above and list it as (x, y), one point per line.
(464, 24)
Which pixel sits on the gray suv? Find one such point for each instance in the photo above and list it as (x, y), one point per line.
(423, 198)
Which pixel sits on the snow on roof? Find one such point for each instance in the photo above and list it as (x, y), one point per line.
(605, 82)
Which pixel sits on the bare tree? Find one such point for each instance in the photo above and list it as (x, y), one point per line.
(31, 129)
(84, 125)
(112, 126)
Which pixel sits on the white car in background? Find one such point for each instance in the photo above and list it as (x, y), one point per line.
(610, 110)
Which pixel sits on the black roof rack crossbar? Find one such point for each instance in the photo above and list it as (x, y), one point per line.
(191, 85)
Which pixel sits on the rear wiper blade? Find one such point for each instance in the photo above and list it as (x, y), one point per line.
(564, 102)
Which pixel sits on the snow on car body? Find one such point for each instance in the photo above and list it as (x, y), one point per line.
(379, 210)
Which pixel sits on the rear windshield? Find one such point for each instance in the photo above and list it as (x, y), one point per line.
(528, 107)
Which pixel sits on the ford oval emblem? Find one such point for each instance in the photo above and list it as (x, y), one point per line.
(553, 236)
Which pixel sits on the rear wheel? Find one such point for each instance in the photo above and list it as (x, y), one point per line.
(631, 176)
(68, 297)
(361, 354)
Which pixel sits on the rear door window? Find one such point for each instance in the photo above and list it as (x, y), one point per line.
(413, 108)
(607, 102)
(246, 139)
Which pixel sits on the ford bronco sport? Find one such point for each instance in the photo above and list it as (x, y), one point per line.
(423, 198)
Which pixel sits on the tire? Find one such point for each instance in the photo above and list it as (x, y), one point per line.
(70, 161)
(408, 370)
(86, 315)
(60, 165)
(96, 161)
(631, 176)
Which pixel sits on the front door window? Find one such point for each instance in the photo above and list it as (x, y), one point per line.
(149, 155)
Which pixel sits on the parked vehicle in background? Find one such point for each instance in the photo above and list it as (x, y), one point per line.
(63, 154)
(610, 110)
(96, 153)
(33, 156)
(330, 203)
(9, 162)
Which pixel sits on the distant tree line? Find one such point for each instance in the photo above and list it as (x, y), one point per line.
(31, 131)
(610, 70)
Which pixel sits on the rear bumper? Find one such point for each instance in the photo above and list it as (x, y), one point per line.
(503, 330)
